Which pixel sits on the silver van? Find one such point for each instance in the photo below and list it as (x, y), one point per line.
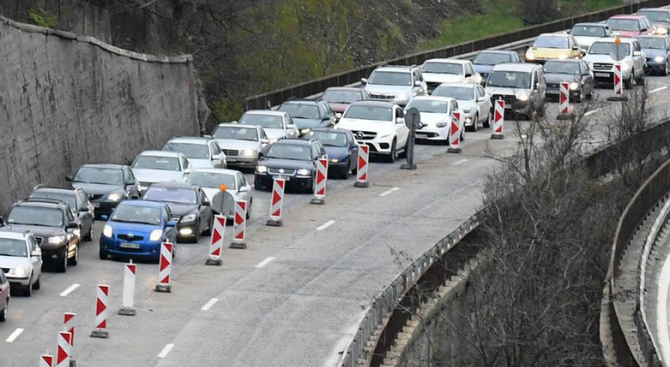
(521, 86)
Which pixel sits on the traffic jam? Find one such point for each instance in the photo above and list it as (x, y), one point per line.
(195, 187)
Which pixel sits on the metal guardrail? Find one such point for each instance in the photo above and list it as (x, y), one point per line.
(313, 87)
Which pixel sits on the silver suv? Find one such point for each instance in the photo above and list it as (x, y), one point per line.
(397, 84)
(521, 86)
(602, 57)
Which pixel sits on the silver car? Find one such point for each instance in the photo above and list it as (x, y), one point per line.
(521, 86)
(154, 166)
(242, 144)
(396, 84)
(473, 101)
(277, 124)
(201, 152)
(210, 181)
(21, 260)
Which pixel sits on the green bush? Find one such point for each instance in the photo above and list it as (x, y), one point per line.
(41, 17)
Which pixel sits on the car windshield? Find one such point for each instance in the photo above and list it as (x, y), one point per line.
(104, 176)
(13, 247)
(442, 68)
(390, 78)
(623, 24)
(509, 79)
(211, 180)
(159, 163)
(429, 106)
(342, 96)
(588, 31)
(491, 58)
(609, 48)
(557, 67)
(236, 133)
(375, 113)
(300, 111)
(551, 42)
(137, 214)
(290, 151)
(328, 138)
(68, 198)
(34, 216)
(266, 121)
(655, 43)
(193, 151)
(171, 195)
(459, 93)
(656, 15)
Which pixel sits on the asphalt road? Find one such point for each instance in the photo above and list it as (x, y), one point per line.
(297, 294)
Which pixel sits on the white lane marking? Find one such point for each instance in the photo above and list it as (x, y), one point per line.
(658, 89)
(662, 320)
(14, 335)
(592, 112)
(264, 262)
(69, 290)
(209, 304)
(325, 225)
(460, 162)
(388, 192)
(166, 351)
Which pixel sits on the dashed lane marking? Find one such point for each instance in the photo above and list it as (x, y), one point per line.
(592, 112)
(458, 163)
(14, 335)
(209, 304)
(388, 192)
(264, 262)
(166, 351)
(658, 89)
(69, 290)
(325, 225)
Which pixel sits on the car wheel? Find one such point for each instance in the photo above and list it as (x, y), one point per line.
(89, 235)
(75, 259)
(628, 84)
(208, 231)
(61, 266)
(462, 133)
(103, 254)
(405, 150)
(248, 210)
(312, 188)
(38, 284)
(641, 79)
(196, 238)
(27, 291)
(392, 156)
(489, 120)
(665, 72)
(5, 311)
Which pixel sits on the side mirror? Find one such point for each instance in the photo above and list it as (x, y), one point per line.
(206, 136)
(69, 178)
(72, 225)
(637, 53)
(131, 182)
(468, 75)
(265, 141)
(418, 84)
(206, 202)
(187, 171)
(537, 86)
(83, 209)
(575, 48)
(171, 223)
(216, 157)
(400, 120)
(481, 99)
(364, 81)
(244, 189)
(36, 253)
(104, 217)
(338, 115)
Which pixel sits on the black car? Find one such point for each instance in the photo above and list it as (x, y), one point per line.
(341, 149)
(308, 113)
(106, 185)
(293, 160)
(190, 208)
(78, 202)
(576, 73)
(54, 226)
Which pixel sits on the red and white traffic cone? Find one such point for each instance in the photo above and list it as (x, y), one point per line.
(239, 226)
(277, 204)
(68, 325)
(455, 133)
(46, 360)
(321, 180)
(128, 298)
(362, 169)
(216, 243)
(64, 349)
(564, 102)
(165, 268)
(618, 85)
(498, 119)
(101, 306)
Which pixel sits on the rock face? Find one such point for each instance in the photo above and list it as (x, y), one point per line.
(67, 100)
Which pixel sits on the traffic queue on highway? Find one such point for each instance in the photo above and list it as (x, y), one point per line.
(166, 195)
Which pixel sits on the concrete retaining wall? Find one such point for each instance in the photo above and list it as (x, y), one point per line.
(67, 100)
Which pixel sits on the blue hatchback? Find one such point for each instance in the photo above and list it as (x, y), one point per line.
(136, 229)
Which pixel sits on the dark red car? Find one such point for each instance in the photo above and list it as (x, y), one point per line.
(339, 98)
(4, 297)
(630, 25)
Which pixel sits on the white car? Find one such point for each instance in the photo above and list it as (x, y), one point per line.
(211, 179)
(277, 124)
(438, 71)
(200, 152)
(154, 166)
(587, 33)
(601, 60)
(473, 101)
(21, 260)
(436, 117)
(379, 125)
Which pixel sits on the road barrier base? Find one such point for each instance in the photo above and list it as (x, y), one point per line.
(497, 136)
(238, 245)
(73, 363)
(274, 223)
(100, 334)
(362, 184)
(565, 116)
(316, 201)
(163, 288)
(617, 98)
(454, 150)
(214, 262)
(127, 311)
(408, 166)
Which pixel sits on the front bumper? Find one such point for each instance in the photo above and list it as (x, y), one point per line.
(655, 66)
(146, 250)
(340, 167)
(607, 76)
(15, 281)
(293, 182)
(187, 230)
(239, 161)
(433, 132)
(378, 145)
(556, 92)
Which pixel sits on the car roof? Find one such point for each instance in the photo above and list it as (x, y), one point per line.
(190, 140)
(395, 68)
(55, 190)
(665, 10)
(449, 61)
(293, 142)
(525, 67)
(266, 112)
(372, 104)
(217, 170)
(160, 153)
(651, 36)
(555, 35)
(627, 16)
(613, 40)
(301, 100)
(173, 185)
(498, 52)
(146, 203)
(230, 124)
(37, 203)
(345, 89)
(603, 25)
(15, 234)
(103, 165)
(432, 98)
(460, 85)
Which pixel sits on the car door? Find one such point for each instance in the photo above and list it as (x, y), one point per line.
(204, 209)
(35, 256)
(402, 132)
(353, 150)
(587, 77)
(639, 59)
(483, 103)
(85, 211)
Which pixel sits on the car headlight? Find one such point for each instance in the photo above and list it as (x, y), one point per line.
(57, 239)
(442, 124)
(334, 160)
(19, 272)
(659, 59)
(661, 30)
(530, 56)
(188, 218)
(522, 97)
(248, 152)
(114, 197)
(261, 169)
(156, 235)
(574, 86)
(303, 172)
(305, 131)
(562, 57)
(107, 231)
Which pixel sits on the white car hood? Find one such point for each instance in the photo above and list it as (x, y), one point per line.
(585, 42)
(156, 175)
(599, 58)
(239, 144)
(274, 133)
(201, 163)
(504, 91)
(433, 118)
(467, 105)
(14, 262)
(380, 127)
(443, 78)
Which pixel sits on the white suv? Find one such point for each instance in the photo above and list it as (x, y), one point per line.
(396, 84)
(379, 125)
(21, 260)
(600, 58)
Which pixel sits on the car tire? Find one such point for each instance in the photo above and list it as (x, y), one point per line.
(405, 150)
(475, 120)
(103, 255)
(4, 314)
(641, 80)
(75, 259)
(27, 291)
(628, 84)
(248, 210)
(89, 236)
(208, 231)
(489, 120)
(462, 134)
(311, 188)
(61, 266)
(196, 238)
(666, 71)
(392, 156)
(38, 284)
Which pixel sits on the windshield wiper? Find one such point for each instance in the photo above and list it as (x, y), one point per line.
(10, 255)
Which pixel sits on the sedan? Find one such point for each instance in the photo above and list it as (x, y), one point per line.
(106, 185)
(436, 117)
(341, 149)
(575, 72)
(242, 144)
(473, 102)
(293, 160)
(657, 51)
(211, 180)
(21, 260)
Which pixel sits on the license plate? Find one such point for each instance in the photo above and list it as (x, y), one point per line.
(130, 245)
(603, 75)
(285, 178)
(231, 160)
(552, 92)
(96, 205)
(422, 136)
